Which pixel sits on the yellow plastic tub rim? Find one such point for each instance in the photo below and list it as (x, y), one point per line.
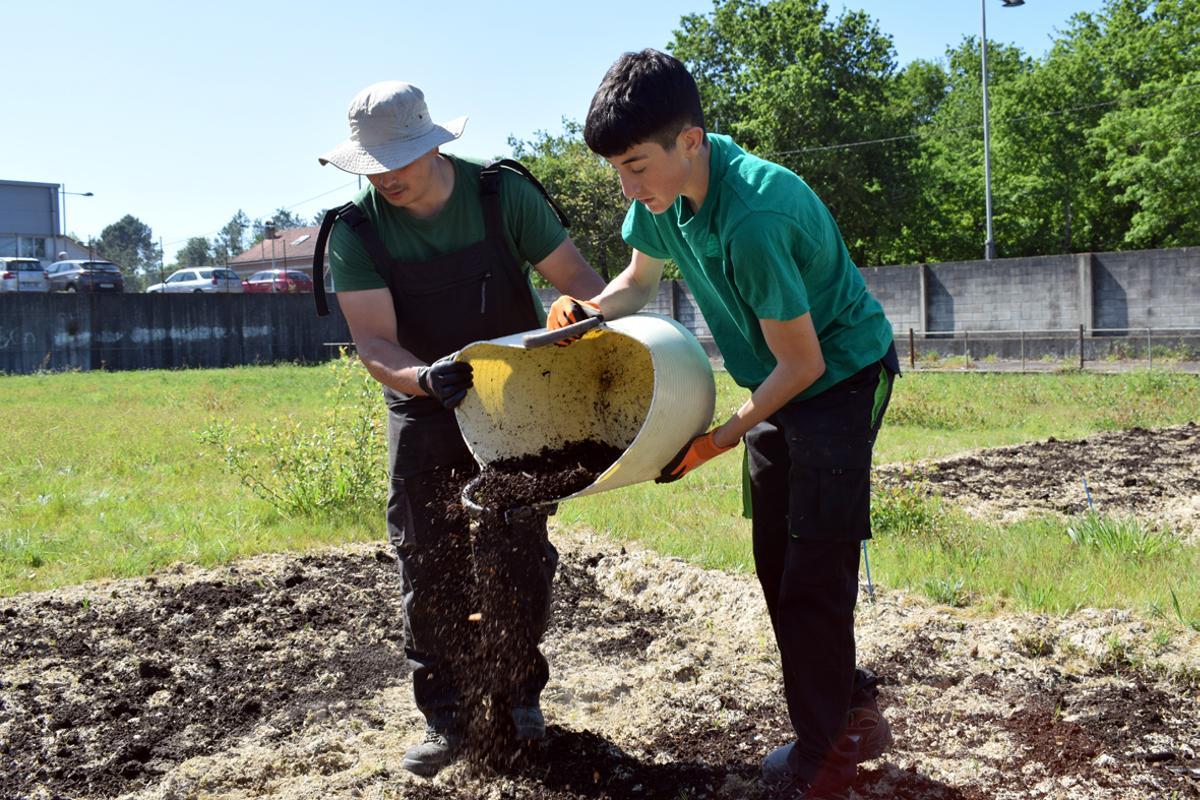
(641, 383)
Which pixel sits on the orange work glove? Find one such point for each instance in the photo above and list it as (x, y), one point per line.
(695, 453)
(567, 310)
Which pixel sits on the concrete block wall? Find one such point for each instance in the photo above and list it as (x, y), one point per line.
(1149, 288)
(900, 290)
(1006, 294)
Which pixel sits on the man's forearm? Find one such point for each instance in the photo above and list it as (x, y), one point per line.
(390, 364)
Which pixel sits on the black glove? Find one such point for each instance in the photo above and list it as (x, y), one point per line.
(446, 380)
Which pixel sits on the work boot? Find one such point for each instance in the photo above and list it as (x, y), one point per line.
(872, 729)
(438, 749)
(529, 723)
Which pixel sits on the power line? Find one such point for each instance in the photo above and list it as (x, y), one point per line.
(285, 208)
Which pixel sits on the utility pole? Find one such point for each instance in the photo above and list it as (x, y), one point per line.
(989, 246)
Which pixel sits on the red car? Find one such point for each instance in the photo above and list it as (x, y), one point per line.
(278, 281)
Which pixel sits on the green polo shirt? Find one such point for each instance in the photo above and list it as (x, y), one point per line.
(764, 246)
(531, 228)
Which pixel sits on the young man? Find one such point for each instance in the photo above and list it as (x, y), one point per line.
(433, 255)
(796, 325)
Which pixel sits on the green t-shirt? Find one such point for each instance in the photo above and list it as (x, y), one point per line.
(531, 228)
(764, 246)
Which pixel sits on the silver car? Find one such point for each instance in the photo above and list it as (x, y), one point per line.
(199, 279)
(23, 275)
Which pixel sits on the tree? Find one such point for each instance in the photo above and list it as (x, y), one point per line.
(948, 220)
(792, 86)
(1150, 139)
(196, 253)
(231, 239)
(588, 190)
(129, 243)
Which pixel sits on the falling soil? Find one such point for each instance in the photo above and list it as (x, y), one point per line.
(284, 676)
(547, 476)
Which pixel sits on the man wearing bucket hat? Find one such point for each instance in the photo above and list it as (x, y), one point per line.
(432, 255)
(796, 325)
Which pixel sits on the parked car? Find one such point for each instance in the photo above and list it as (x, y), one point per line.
(82, 275)
(278, 280)
(199, 279)
(23, 275)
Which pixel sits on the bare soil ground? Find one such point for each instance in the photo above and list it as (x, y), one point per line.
(284, 676)
(1150, 474)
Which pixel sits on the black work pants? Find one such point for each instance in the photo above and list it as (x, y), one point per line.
(438, 553)
(810, 490)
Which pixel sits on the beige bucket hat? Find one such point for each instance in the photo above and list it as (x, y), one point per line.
(390, 128)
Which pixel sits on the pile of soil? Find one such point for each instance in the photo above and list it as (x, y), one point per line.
(284, 676)
(1150, 474)
(547, 476)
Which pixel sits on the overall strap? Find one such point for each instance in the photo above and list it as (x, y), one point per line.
(318, 268)
(493, 218)
(491, 177)
(353, 216)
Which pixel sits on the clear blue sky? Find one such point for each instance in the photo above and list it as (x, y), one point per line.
(182, 114)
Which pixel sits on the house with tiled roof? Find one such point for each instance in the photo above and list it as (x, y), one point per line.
(289, 249)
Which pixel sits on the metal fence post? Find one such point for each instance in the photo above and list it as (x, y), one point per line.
(912, 350)
(1080, 348)
(967, 345)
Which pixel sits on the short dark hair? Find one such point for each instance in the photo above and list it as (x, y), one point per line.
(644, 97)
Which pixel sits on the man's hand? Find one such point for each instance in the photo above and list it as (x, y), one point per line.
(694, 453)
(446, 380)
(568, 310)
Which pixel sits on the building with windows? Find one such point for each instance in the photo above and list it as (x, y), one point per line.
(287, 249)
(29, 220)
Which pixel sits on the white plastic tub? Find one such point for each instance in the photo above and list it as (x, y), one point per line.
(641, 383)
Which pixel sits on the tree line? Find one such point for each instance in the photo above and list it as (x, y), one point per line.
(1095, 145)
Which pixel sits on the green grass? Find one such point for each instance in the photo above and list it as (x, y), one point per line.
(106, 475)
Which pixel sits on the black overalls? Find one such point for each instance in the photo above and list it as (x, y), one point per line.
(442, 304)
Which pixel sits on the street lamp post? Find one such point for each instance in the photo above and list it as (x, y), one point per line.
(63, 191)
(989, 247)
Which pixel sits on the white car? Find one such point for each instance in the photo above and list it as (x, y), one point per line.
(23, 275)
(199, 279)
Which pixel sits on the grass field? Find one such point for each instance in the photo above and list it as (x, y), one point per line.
(107, 474)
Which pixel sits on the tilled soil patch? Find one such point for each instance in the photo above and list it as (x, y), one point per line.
(1151, 474)
(284, 676)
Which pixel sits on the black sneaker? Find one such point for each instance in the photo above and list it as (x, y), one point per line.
(438, 749)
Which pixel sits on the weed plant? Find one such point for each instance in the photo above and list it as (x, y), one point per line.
(1126, 537)
(306, 469)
